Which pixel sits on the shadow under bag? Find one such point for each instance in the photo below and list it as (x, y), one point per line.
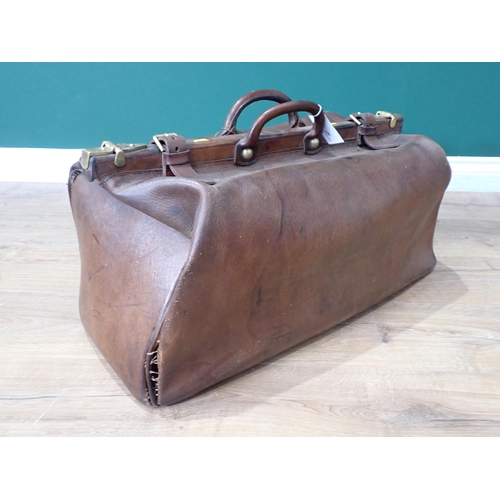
(201, 258)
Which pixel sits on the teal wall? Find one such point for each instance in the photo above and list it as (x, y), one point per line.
(74, 105)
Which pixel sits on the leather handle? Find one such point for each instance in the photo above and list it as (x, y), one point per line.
(229, 127)
(246, 149)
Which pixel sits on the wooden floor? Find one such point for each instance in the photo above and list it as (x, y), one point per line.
(426, 362)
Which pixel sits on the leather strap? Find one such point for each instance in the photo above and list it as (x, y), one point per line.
(175, 150)
(185, 171)
(367, 133)
(175, 155)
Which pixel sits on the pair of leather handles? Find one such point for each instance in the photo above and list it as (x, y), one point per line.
(246, 148)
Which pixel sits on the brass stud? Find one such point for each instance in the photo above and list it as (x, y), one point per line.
(247, 154)
(314, 143)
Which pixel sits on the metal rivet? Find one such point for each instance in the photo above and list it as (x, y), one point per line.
(314, 143)
(247, 153)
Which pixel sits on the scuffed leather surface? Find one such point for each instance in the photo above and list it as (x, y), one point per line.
(130, 263)
(284, 254)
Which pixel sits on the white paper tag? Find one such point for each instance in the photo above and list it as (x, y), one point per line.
(329, 132)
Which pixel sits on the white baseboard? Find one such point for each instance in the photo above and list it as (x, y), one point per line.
(36, 164)
(469, 173)
(475, 173)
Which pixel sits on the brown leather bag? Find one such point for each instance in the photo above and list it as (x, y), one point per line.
(201, 258)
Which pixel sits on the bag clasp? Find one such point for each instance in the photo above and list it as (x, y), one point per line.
(107, 148)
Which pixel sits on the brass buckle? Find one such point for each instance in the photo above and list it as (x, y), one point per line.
(156, 139)
(386, 114)
(354, 119)
(107, 148)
